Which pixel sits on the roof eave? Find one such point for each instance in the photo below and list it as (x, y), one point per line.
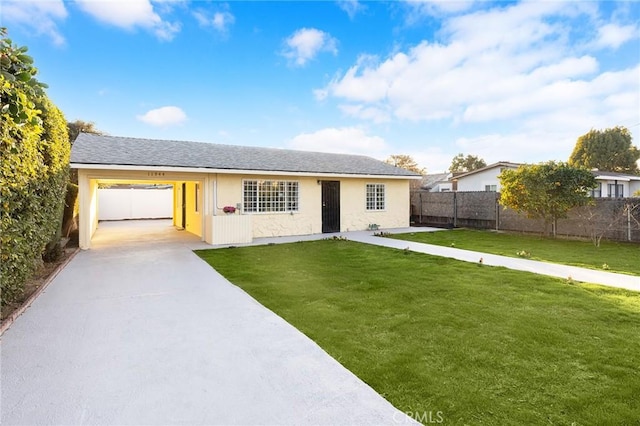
(90, 166)
(489, 167)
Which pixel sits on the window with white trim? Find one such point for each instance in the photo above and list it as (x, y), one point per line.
(375, 196)
(616, 190)
(270, 196)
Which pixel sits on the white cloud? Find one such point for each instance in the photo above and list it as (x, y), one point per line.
(376, 114)
(434, 159)
(523, 147)
(351, 7)
(220, 20)
(509, 66)
(320, 94)
(305, 44)
(131, 14)
(520, 81)
(418, 10)
(438, 7)
(485, 56)
(164, 116)
(346, 140)
(38, 16)
(614, 35)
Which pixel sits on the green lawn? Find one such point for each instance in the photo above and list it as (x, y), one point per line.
(619, 257)
(482, 345)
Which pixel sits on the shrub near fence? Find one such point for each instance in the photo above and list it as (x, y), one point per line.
(609, 218)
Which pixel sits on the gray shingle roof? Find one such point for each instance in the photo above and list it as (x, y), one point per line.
(429, 181)
(602, 174)
(112, 150)
(508, 164)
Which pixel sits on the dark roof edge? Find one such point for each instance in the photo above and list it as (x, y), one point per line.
(253, 171)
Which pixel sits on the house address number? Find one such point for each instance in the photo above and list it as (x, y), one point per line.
(155, 174)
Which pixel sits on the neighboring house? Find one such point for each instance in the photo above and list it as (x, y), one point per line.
(438, 182)
(274, 192)
(615, 185)
(484, 179)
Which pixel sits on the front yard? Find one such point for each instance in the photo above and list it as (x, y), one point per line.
(481, 345)
(612, 256)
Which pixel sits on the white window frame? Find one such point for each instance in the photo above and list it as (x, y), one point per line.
(378, 204)
(270, 196)
(611, 187)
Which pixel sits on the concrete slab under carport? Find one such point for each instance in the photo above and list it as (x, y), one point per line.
(142, 233)
(139, 330)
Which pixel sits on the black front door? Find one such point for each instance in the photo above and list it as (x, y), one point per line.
(330, 206)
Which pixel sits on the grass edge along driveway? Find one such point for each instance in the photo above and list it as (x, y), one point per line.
(612, 256)
(476, 344)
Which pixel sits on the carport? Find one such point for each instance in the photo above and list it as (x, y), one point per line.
(189, 195)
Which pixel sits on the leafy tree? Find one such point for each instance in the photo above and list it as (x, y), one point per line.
(19, 86)
(405, 162)
(610, 150)
(80, 126)
(546, 191)
(34, 152)
(460, 163)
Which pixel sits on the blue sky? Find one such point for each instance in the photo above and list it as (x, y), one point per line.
(516, 81)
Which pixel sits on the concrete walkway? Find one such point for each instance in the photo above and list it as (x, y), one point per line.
(594, 276)
(139, 330)
(610, 279)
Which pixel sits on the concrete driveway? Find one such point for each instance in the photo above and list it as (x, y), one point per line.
(138, 330)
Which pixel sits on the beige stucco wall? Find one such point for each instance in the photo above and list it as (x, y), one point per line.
(308, 219)
(353, 213)
(220, 190)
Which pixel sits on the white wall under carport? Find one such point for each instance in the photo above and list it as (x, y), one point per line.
(135, 203)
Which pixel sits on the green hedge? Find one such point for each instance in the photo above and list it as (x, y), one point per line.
(33, 172)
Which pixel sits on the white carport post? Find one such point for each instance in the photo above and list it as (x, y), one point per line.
(209, 208)
(88, 208)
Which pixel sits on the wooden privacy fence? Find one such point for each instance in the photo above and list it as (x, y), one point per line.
(609, 218)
